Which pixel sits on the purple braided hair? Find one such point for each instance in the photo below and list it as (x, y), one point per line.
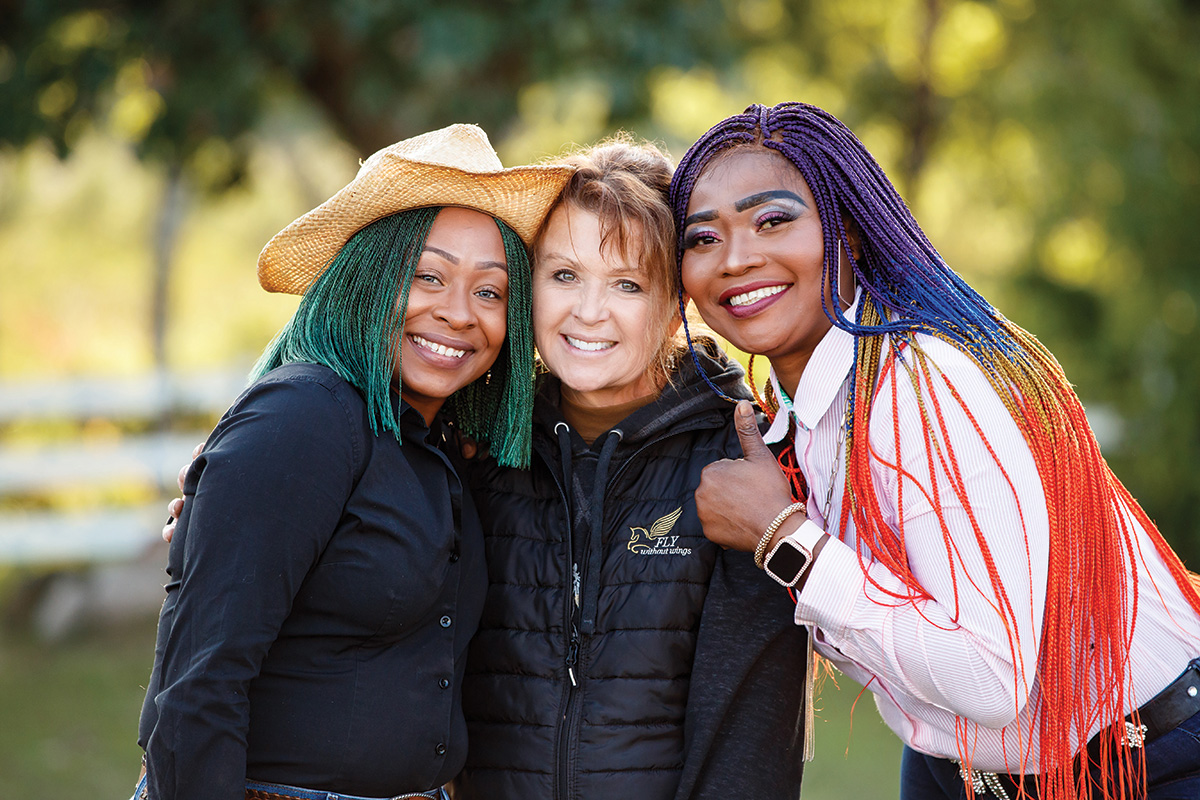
(901, 273)
(1083, 654)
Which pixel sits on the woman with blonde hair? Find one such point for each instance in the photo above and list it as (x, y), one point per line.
(621, 654)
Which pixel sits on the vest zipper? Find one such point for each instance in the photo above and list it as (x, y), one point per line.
(569, 721)
(566, 725)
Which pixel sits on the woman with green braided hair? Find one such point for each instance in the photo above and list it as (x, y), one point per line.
(952, 535)
(326, 572)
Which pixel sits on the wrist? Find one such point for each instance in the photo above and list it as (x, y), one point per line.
(789, 526)
(771, 534)
(790, 559)
(816, 550)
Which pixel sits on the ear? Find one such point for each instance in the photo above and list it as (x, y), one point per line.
(676, 321)
(855, 237)
(846, 280)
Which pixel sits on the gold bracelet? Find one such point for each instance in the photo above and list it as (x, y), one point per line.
(760, 552)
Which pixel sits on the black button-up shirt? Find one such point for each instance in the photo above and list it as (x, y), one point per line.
(324, 584)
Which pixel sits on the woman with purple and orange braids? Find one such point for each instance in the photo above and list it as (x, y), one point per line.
(939, 507)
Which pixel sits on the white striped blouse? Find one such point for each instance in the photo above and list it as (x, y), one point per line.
(949, 657)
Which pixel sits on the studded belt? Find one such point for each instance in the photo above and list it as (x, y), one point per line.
(1164, 713)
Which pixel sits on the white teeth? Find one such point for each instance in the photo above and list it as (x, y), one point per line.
(589, 346)
(753, 297)
(437, 348)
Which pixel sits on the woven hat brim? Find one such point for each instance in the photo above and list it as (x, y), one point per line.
(519, 196)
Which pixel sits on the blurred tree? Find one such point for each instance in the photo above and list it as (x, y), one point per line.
(1051, 150)
(186, 82)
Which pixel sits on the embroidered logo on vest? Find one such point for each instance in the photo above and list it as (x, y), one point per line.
(656, 542)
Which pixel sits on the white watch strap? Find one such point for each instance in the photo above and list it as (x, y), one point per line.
(807, 535)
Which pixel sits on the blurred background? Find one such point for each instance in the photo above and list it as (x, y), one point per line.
(148, 150)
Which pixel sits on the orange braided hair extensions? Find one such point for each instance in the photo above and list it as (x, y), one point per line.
(907, 289)
(1087, 596)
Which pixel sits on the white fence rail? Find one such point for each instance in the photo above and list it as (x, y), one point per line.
(144, 396)
(104, 532)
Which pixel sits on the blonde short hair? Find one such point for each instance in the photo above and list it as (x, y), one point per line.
(625, 183)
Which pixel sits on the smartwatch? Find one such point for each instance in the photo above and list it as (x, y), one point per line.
(787, 562)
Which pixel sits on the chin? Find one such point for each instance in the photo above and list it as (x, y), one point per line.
(740, 336)
(582, 383)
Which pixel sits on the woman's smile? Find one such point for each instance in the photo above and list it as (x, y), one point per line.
(427, 346)
(589, 346)
(746, 301)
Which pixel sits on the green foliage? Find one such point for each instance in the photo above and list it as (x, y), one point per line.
(182, 80)
(71, 712)
(1051, 150)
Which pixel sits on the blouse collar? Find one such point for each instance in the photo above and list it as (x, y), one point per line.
(823, 377)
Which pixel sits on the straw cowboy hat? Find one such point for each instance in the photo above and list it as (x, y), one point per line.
(454, 166)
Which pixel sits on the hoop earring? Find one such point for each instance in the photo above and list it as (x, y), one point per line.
(841, 300)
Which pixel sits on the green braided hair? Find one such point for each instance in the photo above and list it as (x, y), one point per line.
(349, 320)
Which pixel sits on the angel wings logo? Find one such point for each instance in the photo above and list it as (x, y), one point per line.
(657, 541)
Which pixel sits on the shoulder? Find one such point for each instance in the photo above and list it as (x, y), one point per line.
(930, 363)
(304, 389)
(305, 381)
(949, 356)
(942, 392)
(716, 439)
(296, 409)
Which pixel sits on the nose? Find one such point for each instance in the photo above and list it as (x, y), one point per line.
(456, 309)
(591, 305)
(741, 253)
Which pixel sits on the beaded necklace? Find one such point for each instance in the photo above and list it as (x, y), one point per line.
(771, 406)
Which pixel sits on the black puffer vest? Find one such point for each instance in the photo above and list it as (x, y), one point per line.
(578, 679)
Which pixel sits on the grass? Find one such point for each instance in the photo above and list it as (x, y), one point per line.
(852, 760)
(70, 714)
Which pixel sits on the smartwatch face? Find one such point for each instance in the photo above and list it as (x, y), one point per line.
(786, 562)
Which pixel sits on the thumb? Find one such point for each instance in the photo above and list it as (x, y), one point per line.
(753, 447)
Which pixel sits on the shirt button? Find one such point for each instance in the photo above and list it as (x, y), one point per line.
(454, 557)
(440, 749)
(444, 683)
(445, 622)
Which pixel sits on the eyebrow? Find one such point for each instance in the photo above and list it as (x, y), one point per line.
(568, 261)
(453, 259)
(762, 197)
(747, 202)
(700, 216)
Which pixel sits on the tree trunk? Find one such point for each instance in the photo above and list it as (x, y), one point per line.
(166, 236)
(922, 121)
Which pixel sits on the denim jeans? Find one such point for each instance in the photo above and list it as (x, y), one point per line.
(1172, 770)
(295, 791)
